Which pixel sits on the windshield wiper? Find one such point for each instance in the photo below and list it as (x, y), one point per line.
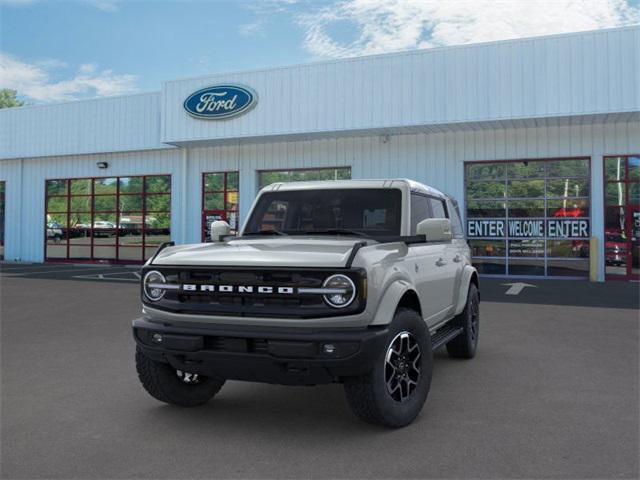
(333, 231)
(264, 232)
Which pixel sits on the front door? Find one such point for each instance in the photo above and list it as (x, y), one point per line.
(622, 217)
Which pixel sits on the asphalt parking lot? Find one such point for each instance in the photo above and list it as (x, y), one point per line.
(552, 393)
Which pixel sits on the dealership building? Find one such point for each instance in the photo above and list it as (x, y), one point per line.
(538, 139)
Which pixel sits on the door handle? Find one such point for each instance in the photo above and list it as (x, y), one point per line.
(457, 259)
(441, 262)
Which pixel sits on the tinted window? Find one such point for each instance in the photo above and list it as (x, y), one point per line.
(375, 212)
(419, 210)
(438, 209)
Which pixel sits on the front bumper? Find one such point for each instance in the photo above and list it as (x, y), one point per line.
(287, 356)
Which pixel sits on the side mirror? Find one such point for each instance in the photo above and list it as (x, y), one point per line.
(435, 229)
(218, 230)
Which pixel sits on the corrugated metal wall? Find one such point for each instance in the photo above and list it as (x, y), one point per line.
(436, 159)
(556, 76)
(112, 124)
(585, 74)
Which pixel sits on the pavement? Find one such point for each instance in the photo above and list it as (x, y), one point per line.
(552, 393)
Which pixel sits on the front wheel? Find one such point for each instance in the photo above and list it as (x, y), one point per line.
(172, 386)
(393, 392)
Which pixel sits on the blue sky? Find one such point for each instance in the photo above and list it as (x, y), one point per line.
(55, 51)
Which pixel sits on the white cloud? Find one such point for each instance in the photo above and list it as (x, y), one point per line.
(252, 29)
(104, 5)
(390, 25)
(34, 80)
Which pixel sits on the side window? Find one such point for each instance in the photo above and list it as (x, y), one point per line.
(456, 223)
(438, 208)
(419, 210)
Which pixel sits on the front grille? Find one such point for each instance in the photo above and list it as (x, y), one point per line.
(255, 304)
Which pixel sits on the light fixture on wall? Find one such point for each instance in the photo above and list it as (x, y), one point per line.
(102, 164)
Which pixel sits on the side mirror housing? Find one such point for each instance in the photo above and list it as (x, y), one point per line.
(435, 229)
(218, 230)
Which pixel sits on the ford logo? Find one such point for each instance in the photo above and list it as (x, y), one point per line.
(220, 101)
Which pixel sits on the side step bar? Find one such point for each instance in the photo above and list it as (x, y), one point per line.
(443, 335)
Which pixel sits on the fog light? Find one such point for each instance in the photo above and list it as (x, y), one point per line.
(156, 338)
(329, 348)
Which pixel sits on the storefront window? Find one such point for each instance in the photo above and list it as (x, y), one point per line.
(267, 177)
(529, 218)
(220, 192)
(622, 217)
(107, 219)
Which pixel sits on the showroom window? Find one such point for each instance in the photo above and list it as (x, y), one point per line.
(622, 217)
(2, 187)
(220, 191)
(115, 219)
(267, 177)
(529, 218)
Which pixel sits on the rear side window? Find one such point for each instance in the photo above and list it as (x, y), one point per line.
(438, 210)
(419, 210)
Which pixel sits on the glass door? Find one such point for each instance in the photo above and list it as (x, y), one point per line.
(622, 217)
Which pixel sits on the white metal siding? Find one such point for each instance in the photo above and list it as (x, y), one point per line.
(558, 76)
(436, 159)
(112, 124)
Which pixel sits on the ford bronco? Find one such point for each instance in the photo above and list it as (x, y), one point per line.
(355, 282)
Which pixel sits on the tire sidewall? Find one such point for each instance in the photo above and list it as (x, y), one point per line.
(403, 413)
(472, 341)
(170, 386)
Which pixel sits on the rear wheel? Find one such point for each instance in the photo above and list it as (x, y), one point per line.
(394, 391)
(172, 386)
(465, 344)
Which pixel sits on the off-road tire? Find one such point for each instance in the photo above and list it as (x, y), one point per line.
(466, 344)
(163, 383)
(368, 396)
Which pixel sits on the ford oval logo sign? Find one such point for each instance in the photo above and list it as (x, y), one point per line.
(220, 102)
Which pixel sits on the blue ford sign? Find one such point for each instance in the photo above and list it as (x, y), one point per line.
(220, 101)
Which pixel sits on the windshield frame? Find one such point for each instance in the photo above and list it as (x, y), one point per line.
(361, 233)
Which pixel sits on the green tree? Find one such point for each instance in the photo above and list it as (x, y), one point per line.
(8, 98)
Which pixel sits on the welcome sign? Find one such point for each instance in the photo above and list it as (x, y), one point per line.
(220, 102)
(528, 228)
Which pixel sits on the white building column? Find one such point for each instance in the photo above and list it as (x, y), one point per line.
(248, 188)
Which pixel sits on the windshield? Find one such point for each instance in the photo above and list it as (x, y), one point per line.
(370, 212)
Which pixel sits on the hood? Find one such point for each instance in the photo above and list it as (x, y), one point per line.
(263, 252)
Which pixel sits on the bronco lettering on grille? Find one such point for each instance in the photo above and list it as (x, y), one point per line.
(191, 287)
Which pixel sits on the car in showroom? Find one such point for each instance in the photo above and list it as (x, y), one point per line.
(351, 281)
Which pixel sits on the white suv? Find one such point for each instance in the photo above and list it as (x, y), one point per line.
(355, 282)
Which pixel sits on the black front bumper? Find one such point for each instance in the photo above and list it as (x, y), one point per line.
(288, 356)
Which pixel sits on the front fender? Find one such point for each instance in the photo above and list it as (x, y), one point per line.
(467, 274)
(389, 302)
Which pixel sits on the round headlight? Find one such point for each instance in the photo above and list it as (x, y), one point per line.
(343, 291)
(152, 285)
